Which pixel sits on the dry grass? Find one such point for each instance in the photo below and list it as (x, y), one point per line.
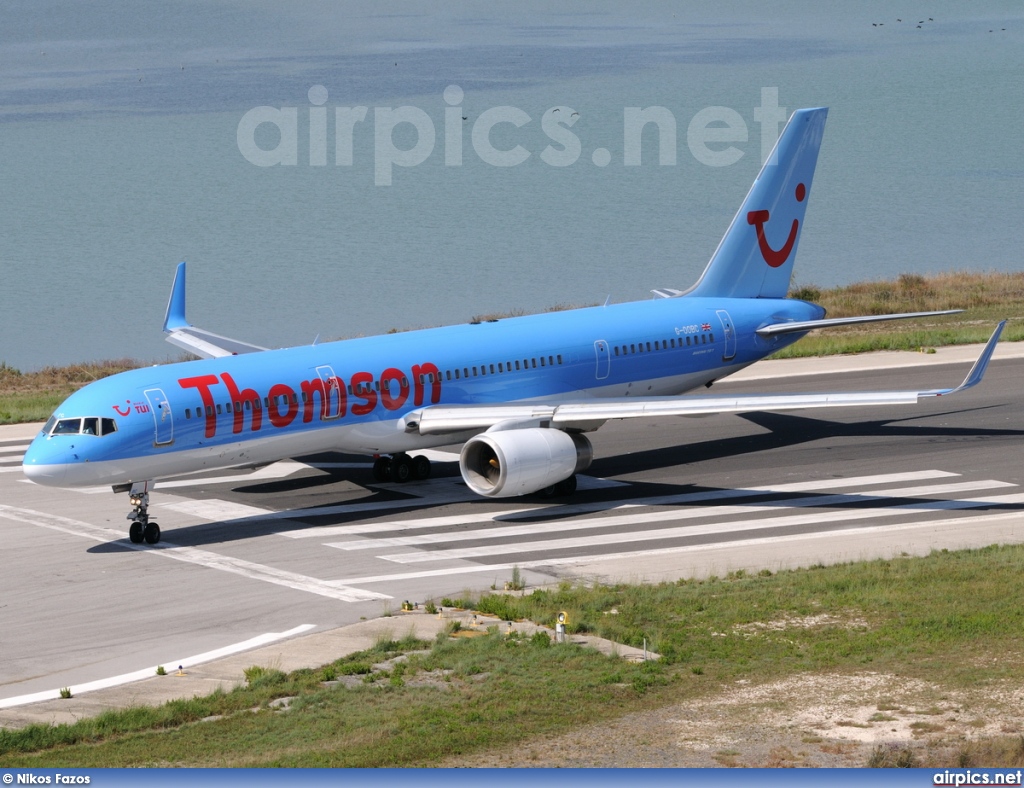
(917, 293)
(51, 379)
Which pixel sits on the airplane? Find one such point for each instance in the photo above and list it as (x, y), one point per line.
(519, 393)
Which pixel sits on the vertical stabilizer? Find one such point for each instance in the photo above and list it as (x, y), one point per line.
(755, 256)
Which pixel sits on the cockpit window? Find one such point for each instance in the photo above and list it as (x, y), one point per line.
(89, 425)
(68, 427)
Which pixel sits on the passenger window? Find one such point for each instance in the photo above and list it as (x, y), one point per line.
(559, 358)
(712, 337)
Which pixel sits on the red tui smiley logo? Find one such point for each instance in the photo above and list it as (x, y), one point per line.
(758, 218)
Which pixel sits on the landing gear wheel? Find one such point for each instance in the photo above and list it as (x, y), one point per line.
(420, 467)
(151, 533)
(135, 533)
(382, 469)
(401, 468)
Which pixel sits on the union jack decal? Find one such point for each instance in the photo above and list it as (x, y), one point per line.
(705, 327)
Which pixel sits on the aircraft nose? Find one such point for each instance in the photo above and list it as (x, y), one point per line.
(45, 463)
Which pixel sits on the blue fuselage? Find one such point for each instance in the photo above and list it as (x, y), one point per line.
(351, 395)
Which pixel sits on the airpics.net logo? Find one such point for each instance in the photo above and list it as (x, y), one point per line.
(712, 134)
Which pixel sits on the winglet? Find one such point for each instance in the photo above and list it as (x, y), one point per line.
(196, 340)
(977, 371)
(174, 318)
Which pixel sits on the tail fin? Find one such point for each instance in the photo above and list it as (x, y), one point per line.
(755, 257)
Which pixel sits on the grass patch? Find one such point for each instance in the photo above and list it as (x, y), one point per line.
(985, 297)
(950, 619)
(33, 396)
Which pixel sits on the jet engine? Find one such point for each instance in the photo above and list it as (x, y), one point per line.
(521, 461)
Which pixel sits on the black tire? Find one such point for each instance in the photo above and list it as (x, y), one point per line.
(382, 469)
(401, 468)
(151, 533)
(420, 467)
(135, 532)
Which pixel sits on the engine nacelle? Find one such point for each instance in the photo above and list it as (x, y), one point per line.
(521, 461)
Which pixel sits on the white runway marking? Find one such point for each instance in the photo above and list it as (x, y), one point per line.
(543, 563)
(700, 530)
(192, 555)
(20, 450)
(652, 517)
(145, 673)
(565, 510)
(215, 510)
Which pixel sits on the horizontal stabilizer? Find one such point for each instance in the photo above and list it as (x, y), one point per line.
(795, 327)
(202, 343)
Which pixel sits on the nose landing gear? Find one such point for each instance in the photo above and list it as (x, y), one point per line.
(142, 529)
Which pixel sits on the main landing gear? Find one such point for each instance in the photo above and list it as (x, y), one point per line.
(142, 529)
(401, 468)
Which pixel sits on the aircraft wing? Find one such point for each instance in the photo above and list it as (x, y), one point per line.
(197, 340)
(590, 414)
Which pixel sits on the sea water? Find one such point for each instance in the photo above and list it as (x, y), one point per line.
(123, 152)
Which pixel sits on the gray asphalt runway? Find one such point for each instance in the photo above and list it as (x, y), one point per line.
(316, 544)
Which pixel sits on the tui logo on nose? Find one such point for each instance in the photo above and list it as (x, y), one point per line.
(758, 218)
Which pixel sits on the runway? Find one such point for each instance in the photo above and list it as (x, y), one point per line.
(314, 543)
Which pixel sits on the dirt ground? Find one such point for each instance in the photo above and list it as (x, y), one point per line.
(806, 721)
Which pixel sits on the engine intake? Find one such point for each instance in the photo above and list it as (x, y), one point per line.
(522, 461)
